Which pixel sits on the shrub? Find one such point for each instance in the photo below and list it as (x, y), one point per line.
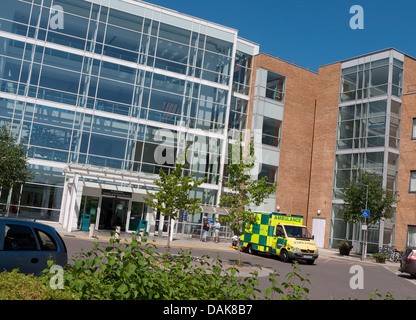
(18, 286)
(135, 270)
(130, 270)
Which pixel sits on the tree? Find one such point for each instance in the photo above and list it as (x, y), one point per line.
(13, 161)
(173, 195)
(380, 202)
(244, 192)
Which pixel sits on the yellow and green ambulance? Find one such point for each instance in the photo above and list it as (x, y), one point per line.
(282, 235)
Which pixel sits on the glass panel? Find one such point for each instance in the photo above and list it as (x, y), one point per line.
(138, 213)
(167, 83)
(216, 63)
(113, 213)
(379, 62)
(41, 196)
(15, 11)
(218, 46)
(117, 72)
(170, 66)
(347, 96)
(349, 82)
(172, 51)
(268, 171)
(174, 33)
(411, 236)
(346, 130)
(412, 187)
(376, 126)
(271, 131)
(343, 161)
(397, 76)
(374, 160)
(211, 111)
(394, 132)
(48, 136)
(78, 7)
(414, 129)
(349, 70)
(341, 177)
(12, 48)
(122, 38)
(10, 68)
(125, 20)
(346, 113)
(275, 86)
(115, 91)
(53, 116)
(107, 146)
(379, 76)
(166, 102)
(65, 40)
(89, 205)
(213, 94)
(62, 59)
(110, 126)
(59, 79)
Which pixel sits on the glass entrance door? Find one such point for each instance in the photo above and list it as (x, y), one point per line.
(138, 213)
(113, 213)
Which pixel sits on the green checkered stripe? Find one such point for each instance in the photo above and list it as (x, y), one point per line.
(260, 234)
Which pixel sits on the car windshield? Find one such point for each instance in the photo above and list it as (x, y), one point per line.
(298, 232)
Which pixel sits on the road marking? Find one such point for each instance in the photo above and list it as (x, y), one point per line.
(402, 275)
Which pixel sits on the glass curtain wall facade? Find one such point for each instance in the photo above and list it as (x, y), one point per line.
(368, 133)
(86, 83)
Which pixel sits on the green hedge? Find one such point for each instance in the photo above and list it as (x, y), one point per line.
(18, 286)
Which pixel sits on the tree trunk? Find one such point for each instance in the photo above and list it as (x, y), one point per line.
(169, 231)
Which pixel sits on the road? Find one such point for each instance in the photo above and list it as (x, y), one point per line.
(330, 278)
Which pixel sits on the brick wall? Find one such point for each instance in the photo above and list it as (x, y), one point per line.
(406, 207)
(297, 132)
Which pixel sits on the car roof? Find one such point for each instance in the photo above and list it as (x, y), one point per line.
(29, 223)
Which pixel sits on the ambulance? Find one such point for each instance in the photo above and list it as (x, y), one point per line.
(282, 235)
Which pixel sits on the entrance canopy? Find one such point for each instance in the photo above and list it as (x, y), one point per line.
(78, 175)
(87, 171)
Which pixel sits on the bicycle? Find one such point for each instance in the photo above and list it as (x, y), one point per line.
(393, 254)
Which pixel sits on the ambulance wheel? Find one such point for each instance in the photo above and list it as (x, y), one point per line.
(284, 256)
(250, 249)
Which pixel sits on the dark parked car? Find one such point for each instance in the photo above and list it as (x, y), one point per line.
(28, 245)
(408, 261)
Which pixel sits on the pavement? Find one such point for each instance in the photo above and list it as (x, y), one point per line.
(188, 242)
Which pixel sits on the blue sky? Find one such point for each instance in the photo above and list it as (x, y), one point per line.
(311, 33)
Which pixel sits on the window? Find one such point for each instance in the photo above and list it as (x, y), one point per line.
(268, 171)
(370, 80)
(298, 232)
(19, 238)
(414, 129)
(411, 236)
(280, 232)
(47, 243)
(271, 131)
(275, 86)
(412, 187)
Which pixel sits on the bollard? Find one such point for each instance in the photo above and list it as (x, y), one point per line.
(117, 235)
(92, 230)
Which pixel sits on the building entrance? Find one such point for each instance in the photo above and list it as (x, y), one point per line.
(113, 213)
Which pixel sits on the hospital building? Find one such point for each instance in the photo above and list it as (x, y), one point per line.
(105, 93)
